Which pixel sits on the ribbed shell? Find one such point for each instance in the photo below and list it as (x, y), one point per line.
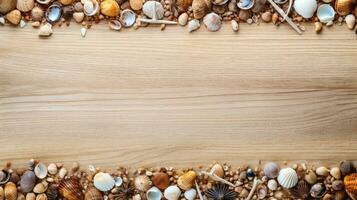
(71, 189)
(218, 170)
(161, 180)
(220, 192)
(142, 183)
(187, 180)
(271, 170)
(10, 191)
(52, 192)
(287, 178)
(301, 190)
(350, 182)
(93, 194)
(103, 181)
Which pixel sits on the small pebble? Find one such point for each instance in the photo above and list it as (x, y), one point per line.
(318, 27)
(267, 17)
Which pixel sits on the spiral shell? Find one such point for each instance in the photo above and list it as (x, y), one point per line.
(218, 170)
(71, 189)
(40, 170)
(93, 194)
(52, 192)
(271, 170)
(344, 7)
(25, 5)
(103, 181)
(350, 182)
(287, 178)
(187, 180)
(142, 183)
(172, 193)
(161, 180)
(183, 5)
(201, 8)
(10, 191)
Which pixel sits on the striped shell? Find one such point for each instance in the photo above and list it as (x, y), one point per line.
(187, 180)
(10, 191)
(161, 180)
(52, 192)
(93, 194)
(71, 189)
(350, 182)
(271, 170)
(142, 183)
(301, 190)
(287, 178)
(103, 181)
(218, 170)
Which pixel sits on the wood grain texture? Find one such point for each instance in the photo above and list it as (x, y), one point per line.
(148, 98)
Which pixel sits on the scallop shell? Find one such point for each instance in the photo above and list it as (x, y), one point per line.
(4, 177)
(52, 192)
(305, 8)
(272, 184)
(346, 167)
(344, 7)
(200, 8)
(90, 7)
(151, 8)
(28, 181)
(136, 4)
(325, 13)
(310, 177)
(93, 194)
(318, 190)
(14, 17)
(271, 170)
(25, 5)
(287, 177)
(110, 8)
(172, 193)
(7, 5)
(322, 171)
(153, 194)
(142, 183)
(245, 4)
(71, 189)
(350, 182)
(301, 190)
(218, 170)
(212, 21)
(66, 2)
(193, 25)
(103, 181)
(187, 180)
(10, 191)
(161, 180)
(127, 18)
(183, 5)
(190, 194)
(114, 25)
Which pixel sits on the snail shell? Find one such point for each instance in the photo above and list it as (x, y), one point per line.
(172, 193)
(71, 189)
(27, 182)
(93, 194)
(142, 183)
(41, 169)
(187, 180)
(183, 5)
(103, 181)
(344, 7)
(161, 180)
(271, 170)
(10, 191)
(109, 8)
(287, 177)
(350, 182)
(218, 170)
(52, 192)
(200, 8)
(7, 5)
(25, 5)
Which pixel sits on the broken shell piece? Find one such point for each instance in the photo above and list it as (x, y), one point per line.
(53, 14)
(2, 20)
(212, 21)
(318, 27)
(245, 4)
(193, 25)
(45, 30)
(127, 18)
(83, 32)
(325, 13)
(41, 169)
(114, 25)
(90, 7)
(153, 10)
(22, 24)
(43, 2)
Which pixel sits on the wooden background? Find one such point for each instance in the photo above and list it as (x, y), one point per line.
(149, 98)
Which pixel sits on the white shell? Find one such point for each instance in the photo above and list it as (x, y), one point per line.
(172, 193)
(193, 25)
(235, 25)
(305, 8)
(127, 18)
(335, 172)
(150, 8)
(322, 171)
(118, 181)
(212, 21)
(350, 21)
(245, 4)
(52, 169)
(103, 181)
(62, 172)
(272, 184)
(325, 13)
(190, 194)
(114, 25)
(41, 169)
(153, 194)
(271, 170)
(83, 32)
(287, 178)
(90, 7)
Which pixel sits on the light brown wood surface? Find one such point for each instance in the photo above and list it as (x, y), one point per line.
(150, 98)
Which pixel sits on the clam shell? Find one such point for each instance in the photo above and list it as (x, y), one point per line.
(218, 170)
(187, 180)
(136, 4)
(318, 190)
(142, 183)
(161, 180)
(10, 191)
(153, 8)
(52, 169)
(109, 8)
(14, 17)
(93, 194)
(287, 177)
(190, 194)
(7, 5)
(172, 193)
(114, 25)
(41, 197)
(52, 192)
(346, 167)
(153, 194)
(103, 181)
(335, 172)
(271, 170)
(71, 189)
(30, 196)
(183, 5)
(301, 190)
(310, 177)
(4, 177)
(344, 7)
(201, 8)
(127, 18)
(193, 25)
(245, 4)
(322, 171)
(305, 8)
(350, 182)
(272, 184)
(39, 188)
(325, 13)
(41, 169)
(53, 14)
(25, 5)
(90, 7)
(28, 181)
(212, 21)
(2, 195)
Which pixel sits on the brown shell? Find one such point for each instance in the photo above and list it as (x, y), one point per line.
(350, 182)
(301, 190)
(71, 189)
(183, 4)
(161, 180)
(344, 7)
(218, 170)
(7, 5)
(14, 17)
(187, 180)
(10, 191)
(201, 8)
(2, 195)
(52, 192)
(93, 194)
(346, 166)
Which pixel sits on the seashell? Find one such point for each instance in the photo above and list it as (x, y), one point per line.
(53, 14)
(127, 18)
(136, 4)
(318, 190)
(193, 25)
(30, 196)
(212, 21)
(109, 8)
(172, 192)
(10, 191)
(103, 181)
(187, 180)
(325, 13)
(219, 2)
(39, 188)
(310, 177)
(37, 14)
(350, 21)
(182, 19)
(28, 181)
(183, 5)
(218, 170)
(14, 17)
(62, 172)
(7, 5)
(301, 190)
(335, 172)
(350, 182)
(118, 181)
(200, 8)
(235, 25)
(272, 184)
(25, 5)
(258, 6)
(43, 2)
(93, 194)
(142, 183)
(114, 25)
(52, 192)
(153, 194)
(305, 8)
(66, 2)
(21, 196)
(78, 17)
(71, 189)
(322, 171)
(190, 194)
(4, 177)
(287, 177)
(78, 7)
(41, 197)
(161, 180)
(90, 7)
(67, 12)
(271, 170)
(346, 167)
(340, 195)
(2, 195)
(153, 8)
(221, 191)
(344, 7)
(337, 185)
(83, 31)
(245, 4)
(262, 192)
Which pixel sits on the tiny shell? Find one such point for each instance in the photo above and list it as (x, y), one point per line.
(245, 4)
(187, 180)
(212, 21)
(83, 31)
(262, 192)
(271, 170)
(142, 183)
(172, 193)
(322, 171)
(114, 25)
(14, 17)
(78, 17)
(109, 8)
(153, 194)
(71, 189)
(344, 7)
(183, 5)
(52, 192)
(287, 177)
(190, 194)
(25, 5)
(161, 180)
(127, 18)
(41, 197)
(235, 25)
(272, 184)
(218, 170)
(350, 182)
(27, 182)
(350, 21)
(325, 13)
(310, 177)
(305, 8)
(41, 169)
(39, 188)
(62, 172)
(103, 181)
(52, 169)
(66, 2)
(90, 7)
(346, 167)
(301, 190)
(7, 5)
(93, 194)
(37, 14)
(118, 181)
(10, 191)
(136, 4)
(153, 8)
(193, 25)
(4, 177)
(318, 190)
(200, 8)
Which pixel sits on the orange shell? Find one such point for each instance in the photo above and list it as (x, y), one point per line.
(344, 7)
(187, 180)
(10, 191)
(161, 180)
(184, 4)
(71, 189)
(350, 182)
(93, 194)
(110, 8)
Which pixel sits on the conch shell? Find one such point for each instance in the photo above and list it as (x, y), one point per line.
(25, 5)
(109, 8)
(344, 7)
(350, 182)
(71, 189)
(7, 5)
(183, 4)
(10, 191)
(187, 180)
(201, 8)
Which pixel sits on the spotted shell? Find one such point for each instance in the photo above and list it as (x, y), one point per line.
(187, 180)
(71, 189)
(52, 192)
(350, 182)
(271, 170)
(103, 181)
(10, 191)
(161, 180)
(93, 194)
(287, 178)
(218, 170)
(40, 170)
(142, 183)
(344, 7)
